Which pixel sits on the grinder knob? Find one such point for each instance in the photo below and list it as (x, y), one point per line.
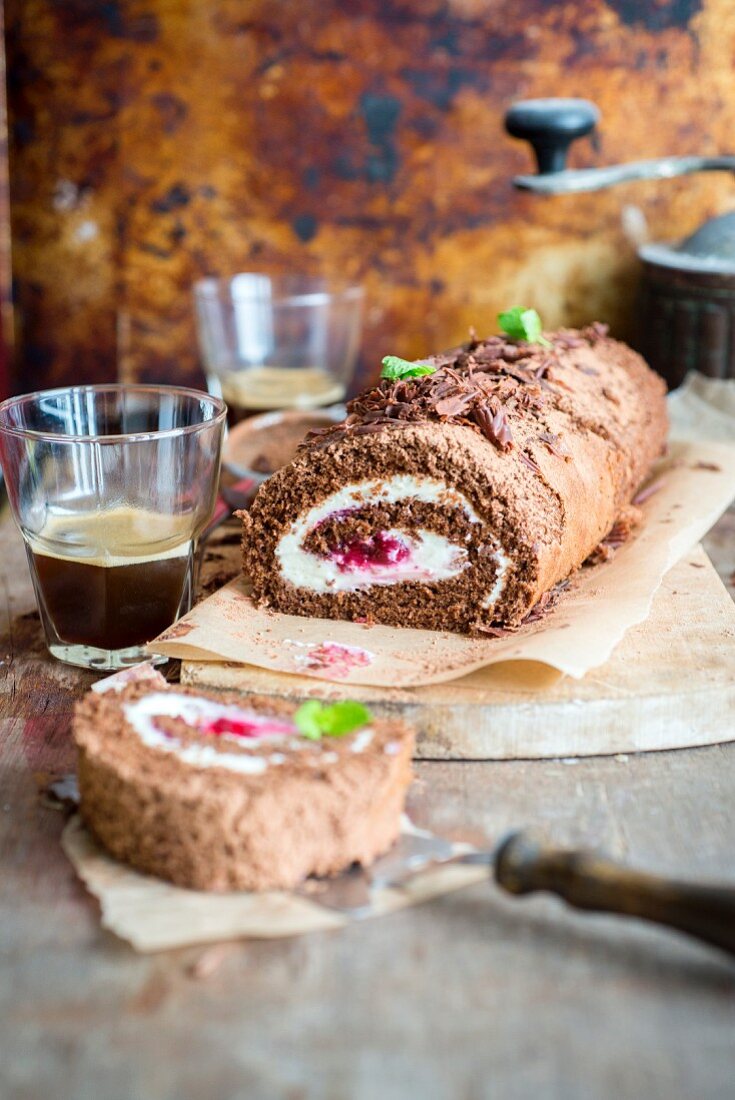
(551, 125)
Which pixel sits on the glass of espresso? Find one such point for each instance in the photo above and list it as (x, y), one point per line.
(278, 341)
(111, 487)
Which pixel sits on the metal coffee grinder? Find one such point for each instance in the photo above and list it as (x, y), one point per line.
(688, 286)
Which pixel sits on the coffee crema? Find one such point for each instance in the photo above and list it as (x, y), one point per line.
(266, 389)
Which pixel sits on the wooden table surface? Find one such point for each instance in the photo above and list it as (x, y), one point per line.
(473, 995)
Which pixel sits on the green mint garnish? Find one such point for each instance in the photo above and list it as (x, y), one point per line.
(316, 720)
(523, 324)
(395, 368)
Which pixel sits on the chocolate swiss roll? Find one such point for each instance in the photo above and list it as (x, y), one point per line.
(456, 499)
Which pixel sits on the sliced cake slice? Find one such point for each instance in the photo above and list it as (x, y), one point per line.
(216, 792)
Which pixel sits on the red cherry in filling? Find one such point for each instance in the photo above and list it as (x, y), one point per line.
(378, 549)
(237, 726)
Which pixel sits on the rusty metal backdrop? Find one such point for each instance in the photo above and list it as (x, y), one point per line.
(153, 141)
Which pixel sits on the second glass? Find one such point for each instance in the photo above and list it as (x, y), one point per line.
(111, 487)
(278, 341)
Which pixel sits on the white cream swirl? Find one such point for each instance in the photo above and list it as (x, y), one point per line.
(426, 556)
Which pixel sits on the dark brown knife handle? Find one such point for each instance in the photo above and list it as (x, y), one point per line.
(587, 881)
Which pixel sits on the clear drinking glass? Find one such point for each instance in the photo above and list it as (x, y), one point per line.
(278, 341)
(111, 487)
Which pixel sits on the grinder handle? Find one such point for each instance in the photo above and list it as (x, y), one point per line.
(550, 126)
(587, 881)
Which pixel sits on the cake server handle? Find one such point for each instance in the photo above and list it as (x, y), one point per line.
(584, 880)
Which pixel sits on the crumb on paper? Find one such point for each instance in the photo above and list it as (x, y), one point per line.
(144, 672)
(330, 659)
(210, 960)
(707, 466)
(178, 630)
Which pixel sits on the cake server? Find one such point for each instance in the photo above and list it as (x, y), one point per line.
(523, 864)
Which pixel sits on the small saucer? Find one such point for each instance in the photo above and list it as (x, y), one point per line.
(260, 445)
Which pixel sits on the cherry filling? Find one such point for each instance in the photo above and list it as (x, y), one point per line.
(378, 549)
(235, 727)
(247, 727)
(337, 659)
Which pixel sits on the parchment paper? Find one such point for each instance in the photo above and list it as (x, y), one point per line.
(703, 409)
(696, 482)
(152, 915)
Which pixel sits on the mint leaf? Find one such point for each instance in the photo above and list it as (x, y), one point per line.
(523, 324)
(307, 721)
(342, 718)
(316, 720)
(395, 368)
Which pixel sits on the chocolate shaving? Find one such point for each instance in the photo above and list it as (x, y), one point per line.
(649, 490)
(524, 457)
(540, 609)
(491, 631)
(482, 385)
(629, 518)
(454, 405)
(555, 445)
(595, 332)
(494, 426)
(546, 603)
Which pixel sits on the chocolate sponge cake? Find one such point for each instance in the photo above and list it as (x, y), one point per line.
(455, 496)
(214, 792)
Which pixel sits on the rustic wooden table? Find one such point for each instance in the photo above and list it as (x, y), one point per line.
(474, 995)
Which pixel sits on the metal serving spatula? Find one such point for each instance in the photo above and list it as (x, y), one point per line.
(523, 865)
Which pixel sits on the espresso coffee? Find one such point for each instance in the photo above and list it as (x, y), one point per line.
(267, 389)
(112, 580)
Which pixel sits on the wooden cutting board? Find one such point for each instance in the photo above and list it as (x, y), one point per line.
(669, 684)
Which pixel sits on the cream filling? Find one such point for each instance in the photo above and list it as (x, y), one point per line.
(195, 711)
(431, 558)
(362, 740)
(503, 563)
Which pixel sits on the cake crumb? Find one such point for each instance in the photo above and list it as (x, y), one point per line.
(209, 962)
